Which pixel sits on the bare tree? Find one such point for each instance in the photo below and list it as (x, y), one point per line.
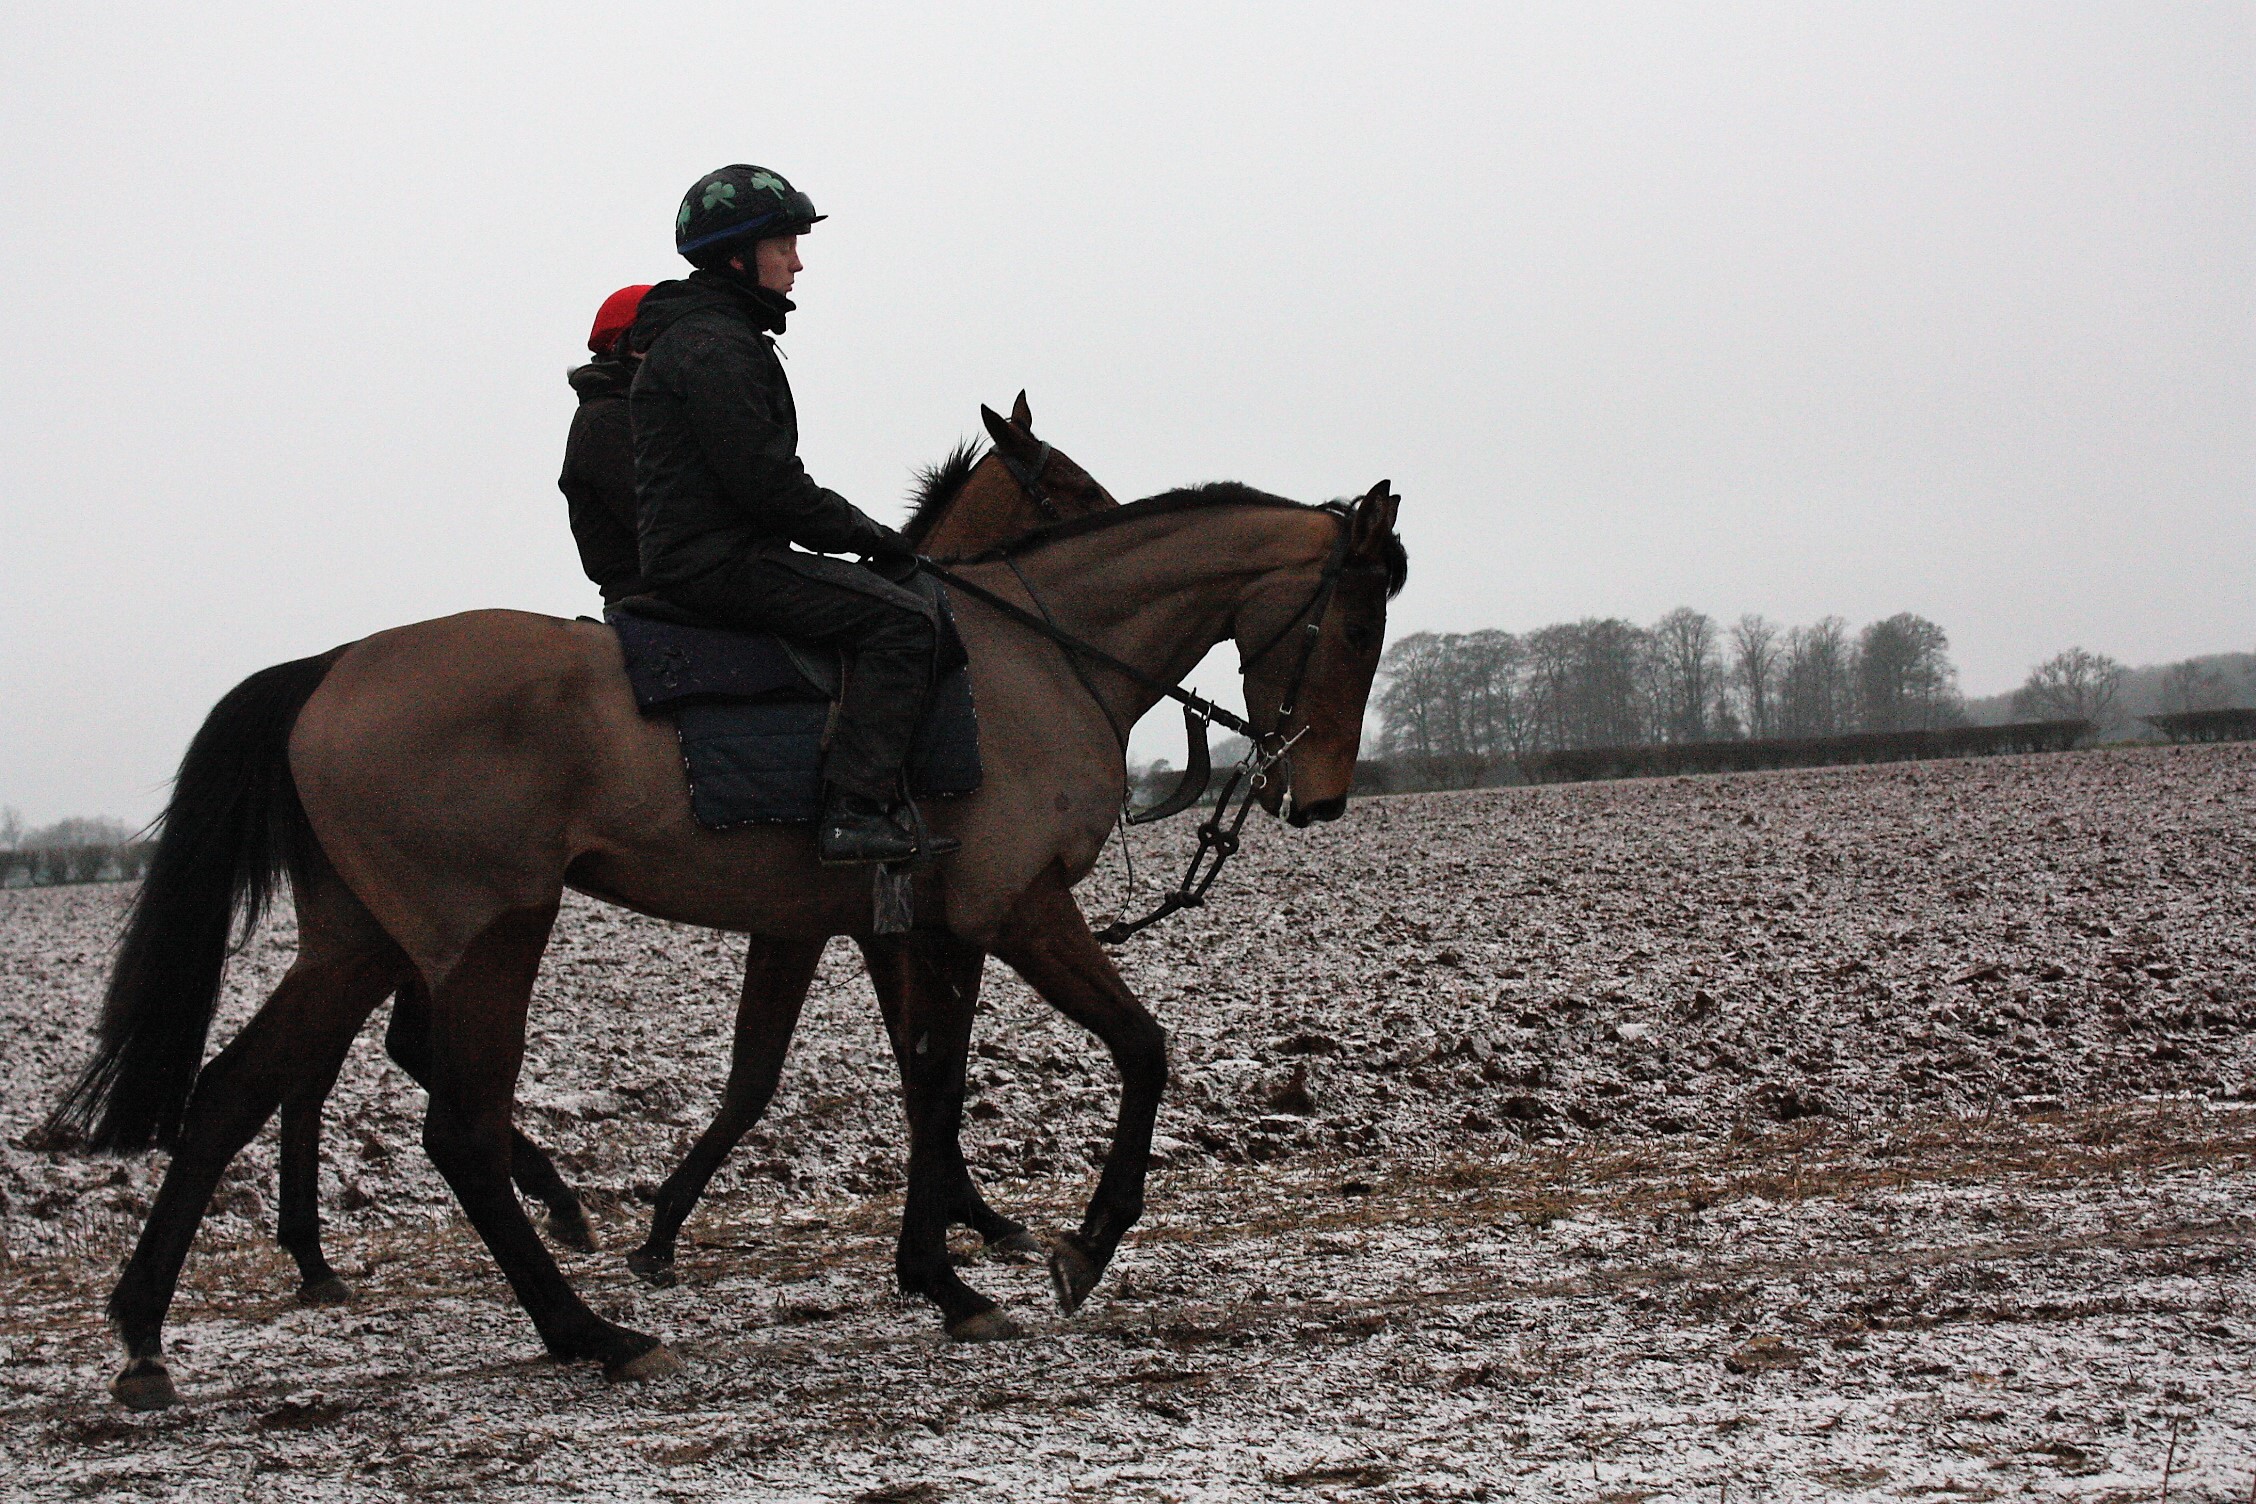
(1610, 689)
(2071, 686)
(1688, 674)
(1905, 681)
(1755, 659)
(1411, 703)
(2192, 685)
(1551, 654)
(1815, 680)
(1494, 668)
(11, 828)
(79, 831)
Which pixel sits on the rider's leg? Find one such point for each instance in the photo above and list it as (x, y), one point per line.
(889, 634)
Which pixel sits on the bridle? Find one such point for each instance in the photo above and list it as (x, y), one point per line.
(1218, 834)
(1029, 478)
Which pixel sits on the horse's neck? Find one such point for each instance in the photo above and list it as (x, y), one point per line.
(1160, 593)
(991, 508)
(982, 515)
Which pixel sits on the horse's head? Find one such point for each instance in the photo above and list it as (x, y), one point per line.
(973, 502)
(1307, 688)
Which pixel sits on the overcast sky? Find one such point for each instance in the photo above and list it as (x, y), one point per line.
(1801, 309)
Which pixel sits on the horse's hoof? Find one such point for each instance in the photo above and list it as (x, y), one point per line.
(658, 1362)
(985, 1326)
(1020, 1247)
(144, 1386)
(652, 1269)
(330, 1291)
(570, 1229)
(1073, 1274)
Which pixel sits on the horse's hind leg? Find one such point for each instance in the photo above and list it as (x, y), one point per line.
(477, 1039)
(408, 1042)
(345, 966)
(928, 984)
(298, 1227)
(1047, 942)
(777, 974)
(949, 971)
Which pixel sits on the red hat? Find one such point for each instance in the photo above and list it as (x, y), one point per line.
(615, 317)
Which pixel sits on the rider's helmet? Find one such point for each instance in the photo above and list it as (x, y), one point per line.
(730, 208)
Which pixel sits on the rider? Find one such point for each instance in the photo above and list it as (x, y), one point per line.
(723, 497)
(598, 480)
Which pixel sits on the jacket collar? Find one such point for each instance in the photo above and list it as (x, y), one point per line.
(765, 309)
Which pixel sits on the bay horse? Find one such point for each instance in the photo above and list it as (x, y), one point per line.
(966, 503)
(431, 791)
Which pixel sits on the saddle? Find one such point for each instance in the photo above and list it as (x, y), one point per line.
(754, 710)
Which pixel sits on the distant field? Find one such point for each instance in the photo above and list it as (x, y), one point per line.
(1842, 1133)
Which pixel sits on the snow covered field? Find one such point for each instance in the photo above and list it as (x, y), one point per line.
(1869, 1133)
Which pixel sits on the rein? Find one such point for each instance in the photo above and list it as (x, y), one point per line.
(1198, 704)
(1218, 834)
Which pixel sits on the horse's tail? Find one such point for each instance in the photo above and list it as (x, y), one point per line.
(233, 828)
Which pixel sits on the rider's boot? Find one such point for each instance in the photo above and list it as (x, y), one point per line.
(930, 845)
(856, 828)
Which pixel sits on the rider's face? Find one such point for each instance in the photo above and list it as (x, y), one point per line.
(776, 262)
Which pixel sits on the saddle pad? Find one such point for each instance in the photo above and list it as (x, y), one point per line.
(760, 762)
(670, 665)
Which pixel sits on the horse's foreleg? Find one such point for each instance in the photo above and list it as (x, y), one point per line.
(926, 985)
(297, 1227)
(777, 974)
(477, 1038)
(408, 1042)
(311, 1016)
(1047, 942)
(951, 972)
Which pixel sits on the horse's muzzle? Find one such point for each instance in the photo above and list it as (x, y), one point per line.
(1308, 814)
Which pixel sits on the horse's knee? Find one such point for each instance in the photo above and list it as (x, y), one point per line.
(1142, 1054)
(457, 1142)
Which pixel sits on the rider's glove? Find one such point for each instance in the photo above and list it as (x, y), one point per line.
(884, 545)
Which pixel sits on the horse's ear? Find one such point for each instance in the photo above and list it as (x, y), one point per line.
(1009, 436)
(1371, 519)
(998, 426)
(1021, 414)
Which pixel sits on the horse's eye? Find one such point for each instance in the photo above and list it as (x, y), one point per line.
(1361, 638)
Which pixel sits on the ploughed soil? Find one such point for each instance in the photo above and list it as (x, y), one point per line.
(1882, 1133)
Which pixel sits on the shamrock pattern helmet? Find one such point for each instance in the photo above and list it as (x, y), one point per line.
(739, 202)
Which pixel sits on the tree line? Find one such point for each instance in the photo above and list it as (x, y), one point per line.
(68, 851)
(2090, 686)
(1606, 682)
(1496, 699)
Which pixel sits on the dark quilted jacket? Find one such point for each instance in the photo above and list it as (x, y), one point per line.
(716, 438)
(598, 478)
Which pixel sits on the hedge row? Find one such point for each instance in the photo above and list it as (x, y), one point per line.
(1402, 775)
(53, 866)
(2206, 725)
(1664, 758)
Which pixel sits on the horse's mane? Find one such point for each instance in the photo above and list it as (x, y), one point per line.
(1199, 498)
(937, 485)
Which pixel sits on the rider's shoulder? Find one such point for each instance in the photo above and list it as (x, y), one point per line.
(685, 317)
